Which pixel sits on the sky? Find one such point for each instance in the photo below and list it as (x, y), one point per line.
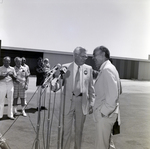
(123, 26)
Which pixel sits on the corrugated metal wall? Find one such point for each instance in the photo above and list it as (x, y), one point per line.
(127, 68)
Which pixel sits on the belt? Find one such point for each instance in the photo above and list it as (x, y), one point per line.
(78, 95)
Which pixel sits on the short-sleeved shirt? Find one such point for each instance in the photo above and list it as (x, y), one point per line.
(27, 68)
(19, 90)
(21, 74)
(5, 70)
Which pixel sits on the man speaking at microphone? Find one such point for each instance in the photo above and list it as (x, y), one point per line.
(79, 96)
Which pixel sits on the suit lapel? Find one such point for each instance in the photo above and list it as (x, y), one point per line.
(98, 76)
(71, 69)
(101, 69)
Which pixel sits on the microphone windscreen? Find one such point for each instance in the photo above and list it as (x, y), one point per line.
(58, 66)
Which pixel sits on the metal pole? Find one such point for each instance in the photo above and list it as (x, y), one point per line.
(63, 112)
(38, 122)
(48, 122)
(60, 116)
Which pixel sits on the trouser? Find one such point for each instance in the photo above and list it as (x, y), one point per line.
(6, 88)
(75, 113)
(104, 127)
(16, 101)
(42, 93)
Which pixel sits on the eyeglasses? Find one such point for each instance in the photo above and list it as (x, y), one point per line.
(84, 57)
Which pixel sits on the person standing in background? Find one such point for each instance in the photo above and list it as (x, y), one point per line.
(28, 70)
(46, 65)
(40, 77)
(25, 65)
(107, 90)
(20, 85)
(7, 75)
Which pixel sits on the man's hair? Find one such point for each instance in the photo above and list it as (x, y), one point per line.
(78, 50)
(23, 58)
(46, 60)
(17, 58)
(6, 58)
(103, 49)
(39, 59)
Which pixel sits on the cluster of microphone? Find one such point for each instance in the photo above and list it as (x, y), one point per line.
(52, 73)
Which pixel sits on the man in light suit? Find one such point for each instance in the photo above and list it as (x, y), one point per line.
(7, 75)
(107, 90)
(77, 103)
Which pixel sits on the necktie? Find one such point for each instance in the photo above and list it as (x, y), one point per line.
(77, 90)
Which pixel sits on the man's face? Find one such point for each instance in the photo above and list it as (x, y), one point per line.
(80, 58)
(23, 61)
(98, 57)
(6, 62)
(18, 63)
(40, 62)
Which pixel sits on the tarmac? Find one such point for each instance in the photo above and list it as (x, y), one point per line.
(135, 121)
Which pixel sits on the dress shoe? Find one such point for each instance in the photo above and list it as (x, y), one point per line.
(24, 114)
(43, 108)
(12, 118)
(16, 114)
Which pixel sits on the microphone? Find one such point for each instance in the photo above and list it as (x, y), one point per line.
(53, 70)
(63, 70)
(51, 73)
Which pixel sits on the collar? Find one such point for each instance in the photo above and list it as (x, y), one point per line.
(6, 67)
(76, 66)
(103, 65)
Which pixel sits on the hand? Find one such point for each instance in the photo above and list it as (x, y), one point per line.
(10, 73)
(4, 74)
(26, 87)
(90, 110)
(54, 85)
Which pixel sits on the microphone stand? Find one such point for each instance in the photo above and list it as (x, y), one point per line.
(39, 115)
(38, 123)
(48, 122)
(59, 120)
(63, 112)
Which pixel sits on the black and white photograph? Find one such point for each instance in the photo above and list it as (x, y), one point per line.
(74, 74)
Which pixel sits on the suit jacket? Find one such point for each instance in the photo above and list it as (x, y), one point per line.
(88, 92)
(107, 89)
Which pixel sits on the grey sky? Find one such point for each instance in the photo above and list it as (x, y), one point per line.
(121, 25)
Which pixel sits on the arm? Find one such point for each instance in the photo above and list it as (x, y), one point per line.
(28, 69)
(27, 79)
(3, 75)
(91, 92)
(111, 92)
(13, 74)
